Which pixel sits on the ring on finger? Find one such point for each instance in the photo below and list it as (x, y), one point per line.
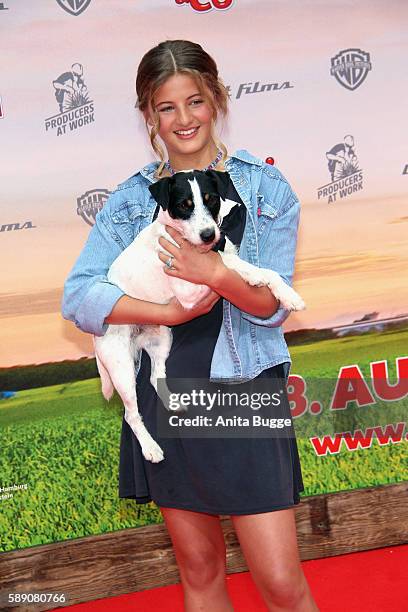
(169, 263)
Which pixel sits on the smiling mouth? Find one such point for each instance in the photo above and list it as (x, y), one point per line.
(187, 133)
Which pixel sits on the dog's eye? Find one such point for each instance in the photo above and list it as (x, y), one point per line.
(186, 204)
(211, 199)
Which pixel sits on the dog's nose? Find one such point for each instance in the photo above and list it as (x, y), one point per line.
(207, 235)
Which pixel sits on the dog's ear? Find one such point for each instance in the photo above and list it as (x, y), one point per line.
(222, 180)
(161, 191)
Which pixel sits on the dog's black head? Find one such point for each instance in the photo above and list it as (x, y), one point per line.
(193, 199)
(176, 189)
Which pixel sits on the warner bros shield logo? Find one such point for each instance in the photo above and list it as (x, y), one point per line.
(74, 7)
(90, 203)
(350, 67)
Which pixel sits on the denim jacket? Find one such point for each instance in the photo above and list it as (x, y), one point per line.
(246, 344)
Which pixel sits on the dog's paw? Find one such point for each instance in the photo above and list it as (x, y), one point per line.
(152, 452)
(289, 299)
(255, 279)
(179, 409)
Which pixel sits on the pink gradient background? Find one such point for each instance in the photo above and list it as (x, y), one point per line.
(352, 256)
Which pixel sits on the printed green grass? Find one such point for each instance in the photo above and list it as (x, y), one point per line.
(324, 359)
(360, 468)
(63, 442)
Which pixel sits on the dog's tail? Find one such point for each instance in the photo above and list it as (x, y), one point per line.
(107, 385)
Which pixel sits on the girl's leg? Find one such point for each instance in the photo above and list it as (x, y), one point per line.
(269, 543)
(200, 552)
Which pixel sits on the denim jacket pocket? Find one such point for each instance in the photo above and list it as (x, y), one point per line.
(266, 213)
(128, 220)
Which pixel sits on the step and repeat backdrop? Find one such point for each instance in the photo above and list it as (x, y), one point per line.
(317, 87)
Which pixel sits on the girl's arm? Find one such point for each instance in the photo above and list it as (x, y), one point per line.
(91, 301)
(280, 236)
(209, 269)
(88, 296)
(257, 301)
(130, 310)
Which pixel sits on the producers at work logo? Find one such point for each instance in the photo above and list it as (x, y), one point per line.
(203, 5)
(90, 203)
(1, 109)
(346, 175)
(74, 7)
(350, 67)
(2, 7)
(75, 106)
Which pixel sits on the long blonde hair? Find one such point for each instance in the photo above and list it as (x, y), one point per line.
(179, 57)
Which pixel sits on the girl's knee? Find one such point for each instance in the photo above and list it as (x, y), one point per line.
(201, 568)
(285, 590)
(199, 546)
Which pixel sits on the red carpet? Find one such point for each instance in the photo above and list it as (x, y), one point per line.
(373, 581)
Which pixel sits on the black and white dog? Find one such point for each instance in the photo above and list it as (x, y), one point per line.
(193, 202)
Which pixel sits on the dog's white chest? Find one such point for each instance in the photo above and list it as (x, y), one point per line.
(138, 270)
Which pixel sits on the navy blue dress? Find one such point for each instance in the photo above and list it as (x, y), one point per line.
(217, 475)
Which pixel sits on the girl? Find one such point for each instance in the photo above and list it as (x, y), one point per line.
(239, 338)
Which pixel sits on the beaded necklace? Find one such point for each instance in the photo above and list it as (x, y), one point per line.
(209, 167)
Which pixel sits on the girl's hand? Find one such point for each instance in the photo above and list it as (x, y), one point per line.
(174, 313)
(189, 262)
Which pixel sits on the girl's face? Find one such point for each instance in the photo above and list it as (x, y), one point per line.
(185, 116)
